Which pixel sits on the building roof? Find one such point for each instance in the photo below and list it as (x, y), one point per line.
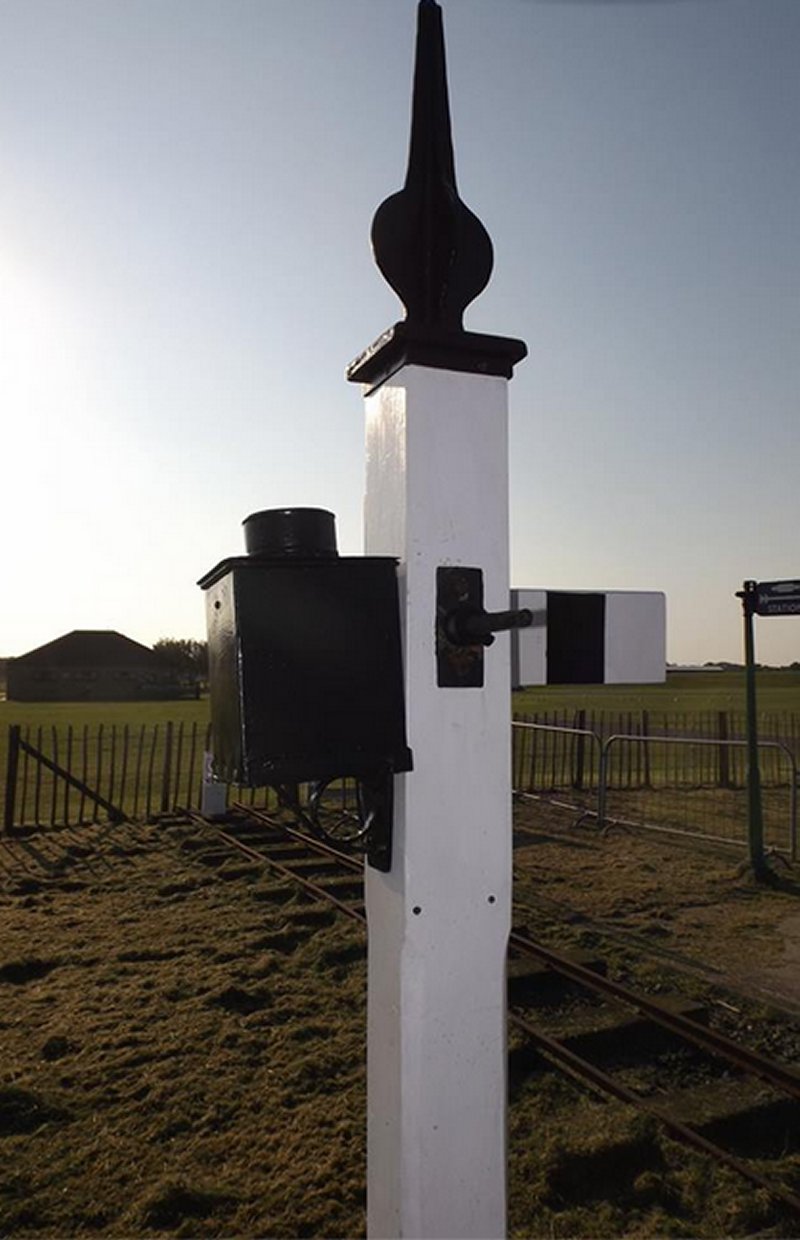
(94, 648)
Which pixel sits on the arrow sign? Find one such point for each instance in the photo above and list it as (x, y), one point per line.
(777, 598)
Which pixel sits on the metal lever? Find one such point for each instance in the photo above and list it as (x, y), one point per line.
(464, 627)
(469, 628)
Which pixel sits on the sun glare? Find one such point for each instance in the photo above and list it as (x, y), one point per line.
(35, 379)
(43, 399)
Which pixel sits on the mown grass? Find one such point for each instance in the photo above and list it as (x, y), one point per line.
(171, 1067)
(682, 692)
(78, 714)
(687, 703)
(778, 691)
(184, 1045)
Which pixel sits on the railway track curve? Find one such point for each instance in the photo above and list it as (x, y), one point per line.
(597, 1035)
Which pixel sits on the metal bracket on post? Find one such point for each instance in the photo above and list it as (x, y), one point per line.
(376, 801)
(458, 666)
(463, 627)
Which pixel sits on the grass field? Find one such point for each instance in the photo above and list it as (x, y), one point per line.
(682, 693)
(184, 1033)
(62, 714)
(184, 1038)
(118, 748)
(778, 692)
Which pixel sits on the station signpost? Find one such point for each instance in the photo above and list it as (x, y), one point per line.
(760, 598)
(777, 598)
(437, 500)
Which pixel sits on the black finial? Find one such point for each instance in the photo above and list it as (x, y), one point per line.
(434, 252)
(431, 249)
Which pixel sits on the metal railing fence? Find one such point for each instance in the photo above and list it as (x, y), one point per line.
(63, 776)
(698, 787)
(726, 724)
(554, 756)
(688, 785)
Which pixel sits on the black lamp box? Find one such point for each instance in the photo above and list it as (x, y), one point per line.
(305, 663)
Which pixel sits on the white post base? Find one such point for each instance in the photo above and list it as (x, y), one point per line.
(437, 494)
(213, 794)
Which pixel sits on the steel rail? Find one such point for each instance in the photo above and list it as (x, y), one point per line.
(285, 870)
(302, 837)
(579, 1067)
(631, 940)
(774, 1073)
(546, 906)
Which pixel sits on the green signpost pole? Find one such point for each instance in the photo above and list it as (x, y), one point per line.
(755, 815)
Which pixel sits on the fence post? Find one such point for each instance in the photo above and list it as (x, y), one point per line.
(793, 778)
(166, 777)
(724, 752)
(11, 777)
(601, 783)
(580, 750)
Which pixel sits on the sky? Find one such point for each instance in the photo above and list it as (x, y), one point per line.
(186, 192)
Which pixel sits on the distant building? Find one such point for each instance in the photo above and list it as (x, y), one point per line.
(585, 637)
(91, 665)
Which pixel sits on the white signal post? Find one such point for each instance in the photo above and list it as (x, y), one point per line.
(439, 920)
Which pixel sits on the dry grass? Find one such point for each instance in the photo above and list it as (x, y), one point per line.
(183, 1045)
(183, 1049)
(682, 894)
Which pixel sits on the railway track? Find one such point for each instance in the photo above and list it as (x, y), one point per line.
(658, 1055)
(730, 987)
